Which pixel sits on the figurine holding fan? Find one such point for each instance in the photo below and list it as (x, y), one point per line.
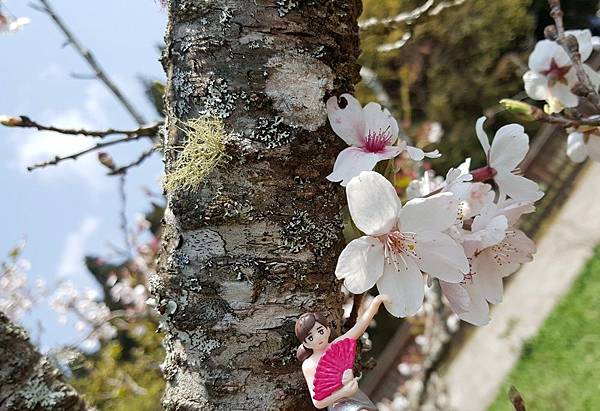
(327, 367)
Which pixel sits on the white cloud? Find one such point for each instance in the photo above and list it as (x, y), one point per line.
(34, 147)
(72, 259)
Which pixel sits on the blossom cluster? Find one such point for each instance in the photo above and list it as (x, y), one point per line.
(552, 77)
(459, 231)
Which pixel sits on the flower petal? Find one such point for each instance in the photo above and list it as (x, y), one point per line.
(486, 278)
(360, 264)
(404, 285)
(347, 122)
(562, 92)
(584, 40)
(435, 213)
(457, 296)
(576, 147)
(440, 256)
(417, 154)
(353, 160)
(593, 147)
(479, 311)
(518, 187)
(482, 136)
(543, 53)
(509, 147)
(373, 203)
(379, 119)
(536, 85)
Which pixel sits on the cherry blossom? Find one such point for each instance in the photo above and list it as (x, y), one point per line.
(400, 242)
(552, 75)
(372, 134)
(584, 144)
(495, 249)
(508, 149)
(10, 24)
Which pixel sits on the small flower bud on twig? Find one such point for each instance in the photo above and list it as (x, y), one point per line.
(11, 121)
(550, 32)
(106, 160)
(519, 107)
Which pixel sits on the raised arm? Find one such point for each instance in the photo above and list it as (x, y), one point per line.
(364, 320)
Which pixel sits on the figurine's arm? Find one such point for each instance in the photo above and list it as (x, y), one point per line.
(364, 320)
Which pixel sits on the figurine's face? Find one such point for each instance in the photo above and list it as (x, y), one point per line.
(318, 337)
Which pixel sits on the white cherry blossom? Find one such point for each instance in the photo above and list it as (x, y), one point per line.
(495, 249)
(372, 134)
(400, 243)
(581, 145)
(551, 75)
(10, 24)
(507, 151)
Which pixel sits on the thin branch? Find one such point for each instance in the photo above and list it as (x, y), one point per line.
(89, 57)
(516, 399)
(144, 155)
(402, 19)
(74, 156)
(571, 47)
(123, 214)
(25, 122)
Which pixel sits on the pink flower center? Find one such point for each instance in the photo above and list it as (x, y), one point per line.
(556, 73)
(397, 246)
(376, 142)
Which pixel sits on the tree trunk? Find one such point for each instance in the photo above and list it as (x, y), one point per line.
(256, 245)
(27, 380)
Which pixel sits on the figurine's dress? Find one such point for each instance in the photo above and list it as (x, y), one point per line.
(359, 401)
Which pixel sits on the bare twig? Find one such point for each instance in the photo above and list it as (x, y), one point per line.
(89, 57)
(123, 214)
(402, 19)
(123, 169)
(571, 47)
(25, 122)
(376, 25)
(517, 400)
(74, 156)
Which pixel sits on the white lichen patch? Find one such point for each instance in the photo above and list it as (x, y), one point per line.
(272, 133)
(237, 294)
(37, 395)
(297, 84)
(285, 6)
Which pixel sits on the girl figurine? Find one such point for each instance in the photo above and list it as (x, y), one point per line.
(312, 329)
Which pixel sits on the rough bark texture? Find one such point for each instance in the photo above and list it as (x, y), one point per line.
(27, 380)
(256, 245)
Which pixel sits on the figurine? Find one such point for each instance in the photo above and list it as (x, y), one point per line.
(327, 367)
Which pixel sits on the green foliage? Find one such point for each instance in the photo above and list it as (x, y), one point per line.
(558, 370)
(113, 383)
(456, 66)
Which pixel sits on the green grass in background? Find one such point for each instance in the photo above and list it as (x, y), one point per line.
(559, 369)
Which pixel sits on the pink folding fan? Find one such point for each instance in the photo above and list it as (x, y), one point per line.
(338, 358)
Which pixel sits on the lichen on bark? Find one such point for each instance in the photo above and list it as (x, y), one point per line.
(27, 379)
(255, 245)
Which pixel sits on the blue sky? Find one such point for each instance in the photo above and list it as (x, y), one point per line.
(69, 211)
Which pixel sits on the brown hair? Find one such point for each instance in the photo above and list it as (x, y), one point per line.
(304, 324)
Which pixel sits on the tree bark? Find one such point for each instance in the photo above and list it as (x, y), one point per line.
(256, 245)
(27, 380)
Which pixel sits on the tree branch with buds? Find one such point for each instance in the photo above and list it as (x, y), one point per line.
(571, 47)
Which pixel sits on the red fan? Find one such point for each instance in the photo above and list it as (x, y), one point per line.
(338, 358)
